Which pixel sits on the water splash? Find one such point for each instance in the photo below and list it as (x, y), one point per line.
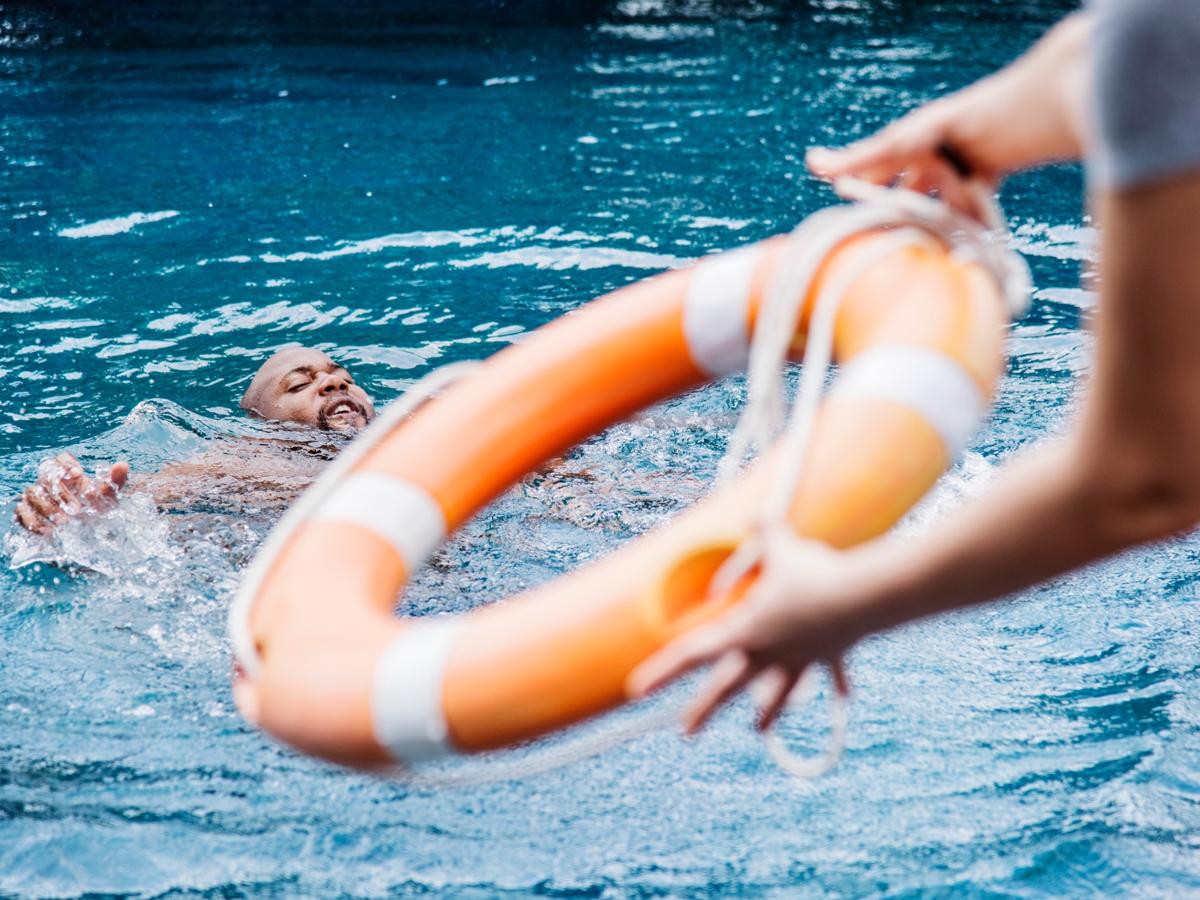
(121, 542)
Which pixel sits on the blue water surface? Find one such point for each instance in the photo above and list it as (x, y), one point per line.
(177, 203)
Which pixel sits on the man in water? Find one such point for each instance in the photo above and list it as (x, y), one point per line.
(296, 384)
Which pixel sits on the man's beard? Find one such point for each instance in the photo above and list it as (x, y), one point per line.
(326, 422)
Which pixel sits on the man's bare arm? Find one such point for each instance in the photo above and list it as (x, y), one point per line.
(238, 475)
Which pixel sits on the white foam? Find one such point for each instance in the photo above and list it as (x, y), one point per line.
(539, 256)
(392, 357)
(708, 222)
(171, 322)
(118, 348)
(119, 225)
(673, 32)
(29, 304)
(467, 238)
(63, 345)
(246, 317)
(583, 258)
(1078, 297)
(1070, 242)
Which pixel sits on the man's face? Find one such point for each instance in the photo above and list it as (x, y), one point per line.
(306, 386)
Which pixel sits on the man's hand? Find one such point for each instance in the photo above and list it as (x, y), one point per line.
(63, 492)
(800, 612)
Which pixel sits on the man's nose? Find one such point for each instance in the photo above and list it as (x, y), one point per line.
(332, 384)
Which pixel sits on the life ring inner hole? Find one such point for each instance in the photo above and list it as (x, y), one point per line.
(686, 599)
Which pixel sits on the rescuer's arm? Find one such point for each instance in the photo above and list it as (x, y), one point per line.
(1126, 474)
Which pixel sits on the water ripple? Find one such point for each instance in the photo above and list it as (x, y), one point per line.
(118, 225)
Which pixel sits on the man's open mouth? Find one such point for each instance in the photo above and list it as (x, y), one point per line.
(341, 413)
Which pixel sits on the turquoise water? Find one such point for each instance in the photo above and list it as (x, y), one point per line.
(177, 202)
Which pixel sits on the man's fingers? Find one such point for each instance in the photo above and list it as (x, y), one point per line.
(63, 490)
(678, 657)
(70, 474)
(66, 499)
(118, 474)
(107, 489)
(70, 466)
(102, 492)
(63, 481)
(42, 503)
(31, 520)
(74, 480)
(732, 673)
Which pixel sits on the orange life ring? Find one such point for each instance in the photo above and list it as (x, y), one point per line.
(335, 673)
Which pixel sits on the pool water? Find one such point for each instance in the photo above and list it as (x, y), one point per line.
(178, 198)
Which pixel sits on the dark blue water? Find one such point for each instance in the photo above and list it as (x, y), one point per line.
(176, 203)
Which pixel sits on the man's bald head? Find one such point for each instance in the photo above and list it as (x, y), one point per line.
(300, 384)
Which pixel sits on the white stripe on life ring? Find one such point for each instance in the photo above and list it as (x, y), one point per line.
(402, 513)
(716, 311)
(406, 699)
(928, 382)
